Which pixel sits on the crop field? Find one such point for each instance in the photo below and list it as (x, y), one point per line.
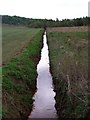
(69, 66)
(14, 40)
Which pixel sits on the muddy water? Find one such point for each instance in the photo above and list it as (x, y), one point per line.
(44, 104)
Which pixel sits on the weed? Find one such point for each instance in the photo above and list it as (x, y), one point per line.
(69, 67)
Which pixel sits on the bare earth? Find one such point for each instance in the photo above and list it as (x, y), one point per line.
(68, 29)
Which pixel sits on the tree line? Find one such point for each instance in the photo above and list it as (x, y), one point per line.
(39, 23)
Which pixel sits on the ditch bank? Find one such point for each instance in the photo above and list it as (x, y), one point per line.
(44, 102)
(19, 81)
(68, 63)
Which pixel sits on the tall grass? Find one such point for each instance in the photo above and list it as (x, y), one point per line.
(69, 66)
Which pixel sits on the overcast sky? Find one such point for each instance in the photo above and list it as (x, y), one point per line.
(50, 9)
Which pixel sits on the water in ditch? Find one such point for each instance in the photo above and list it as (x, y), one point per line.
(44, 104)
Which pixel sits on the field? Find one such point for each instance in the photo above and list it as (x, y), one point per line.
(69, 66)
(21, 53)
(68, 29)
(68, 48)
(14, 40)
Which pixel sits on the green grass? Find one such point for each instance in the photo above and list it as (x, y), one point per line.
(15, 39)
(69, 66)
(19, 78)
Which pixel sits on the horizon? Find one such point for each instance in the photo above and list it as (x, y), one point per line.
(43, 18)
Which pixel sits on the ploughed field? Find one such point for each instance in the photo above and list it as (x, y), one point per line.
(69, 66)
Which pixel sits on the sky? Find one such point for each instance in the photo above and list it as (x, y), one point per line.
(49, 9)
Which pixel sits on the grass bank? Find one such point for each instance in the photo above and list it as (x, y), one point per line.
(19, 80)
(69, 67)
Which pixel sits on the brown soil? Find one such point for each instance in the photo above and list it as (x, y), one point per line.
(68, 29)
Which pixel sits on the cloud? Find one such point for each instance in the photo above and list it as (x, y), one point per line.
(50, 9)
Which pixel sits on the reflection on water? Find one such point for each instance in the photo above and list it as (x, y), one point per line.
(44, 104)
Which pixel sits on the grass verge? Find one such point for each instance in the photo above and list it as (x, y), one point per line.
(69, 67)
(19, 80)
